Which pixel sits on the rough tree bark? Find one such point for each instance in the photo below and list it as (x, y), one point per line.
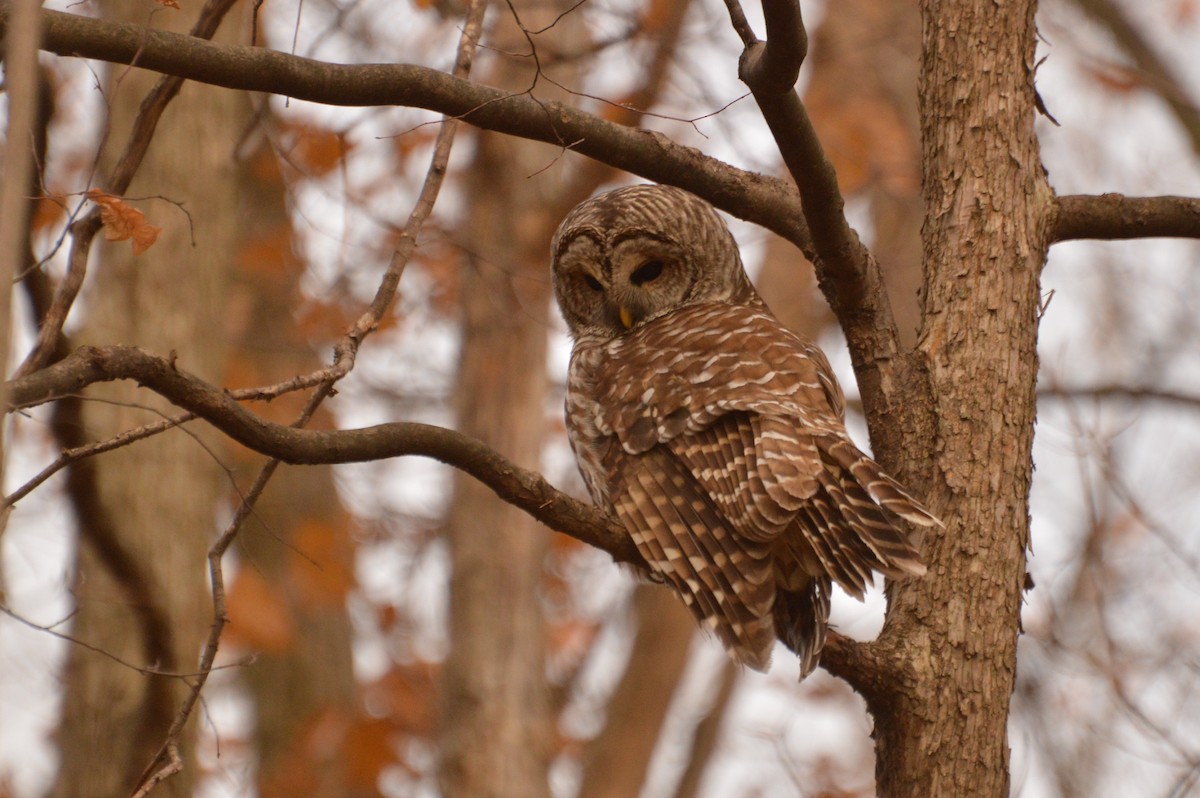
(942, 713)
(158, 499)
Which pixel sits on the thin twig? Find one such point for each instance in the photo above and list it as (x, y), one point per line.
(83, 231)
(145, 671)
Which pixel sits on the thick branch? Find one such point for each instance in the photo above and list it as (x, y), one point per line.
(517, 486)
(770, 70)
(773, 66)
(846, 271)
(870, 668)
(766, 201)
(1115, 216)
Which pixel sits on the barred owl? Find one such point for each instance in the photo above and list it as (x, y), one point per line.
(713, 433)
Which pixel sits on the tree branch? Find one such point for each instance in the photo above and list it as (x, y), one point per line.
(1130, 393)
(1115, 217)
(517, 486)
(770, 69)
(766, 201)
(846, 271)
(867, 667)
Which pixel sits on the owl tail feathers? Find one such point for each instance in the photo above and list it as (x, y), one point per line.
(802, 622)
(895, 553)
(753, 644)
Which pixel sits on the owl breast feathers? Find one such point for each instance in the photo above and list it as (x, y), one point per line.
(713, 433)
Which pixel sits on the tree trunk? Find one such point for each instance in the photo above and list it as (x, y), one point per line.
(941, 728)
(618, 760)
(299, 538)
(497, 725)
(495, 702)
(155, 500)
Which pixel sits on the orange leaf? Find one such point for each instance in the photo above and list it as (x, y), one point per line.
(367, 751)
(47, 213)
(317, 151)
(322, 563)
(259, 618)
(123, 222)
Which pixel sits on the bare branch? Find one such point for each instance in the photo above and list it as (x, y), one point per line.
(846, 271)
(867, 667)
(773, 66)
(1127, 392)
(766, 201)
(517, 486)
(1117, 217)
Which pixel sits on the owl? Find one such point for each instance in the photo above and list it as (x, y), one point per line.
(714, 434)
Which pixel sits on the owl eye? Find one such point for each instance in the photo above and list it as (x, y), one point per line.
(593, 283)
(647, 272)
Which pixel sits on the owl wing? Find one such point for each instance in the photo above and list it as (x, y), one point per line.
(685, 534)
(731, 467)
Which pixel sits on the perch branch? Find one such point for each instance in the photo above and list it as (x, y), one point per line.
(524, 489)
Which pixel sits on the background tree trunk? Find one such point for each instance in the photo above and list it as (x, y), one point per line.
(298, 547)
(497, 727)
(618, 760)
(158, 498)
(496, 722)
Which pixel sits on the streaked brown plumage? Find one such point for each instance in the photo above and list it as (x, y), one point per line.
(714, 433)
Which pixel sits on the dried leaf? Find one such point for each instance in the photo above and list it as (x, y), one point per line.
(123, 222)
(317, 151)
(46, 214)
(322, 563)
(1114, 77)
(260, 619)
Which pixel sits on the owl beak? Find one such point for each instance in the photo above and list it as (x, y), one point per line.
(626, 317)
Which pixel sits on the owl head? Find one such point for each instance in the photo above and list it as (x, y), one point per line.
(632, 255)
